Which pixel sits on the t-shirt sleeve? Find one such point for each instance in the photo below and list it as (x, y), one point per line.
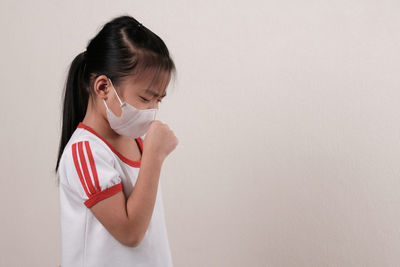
(92, 172)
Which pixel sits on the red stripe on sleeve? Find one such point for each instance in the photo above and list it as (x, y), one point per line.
(103, 194)
(92, 165)
(78, 168)
(86, 173)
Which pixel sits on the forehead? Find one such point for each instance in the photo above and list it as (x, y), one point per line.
(148, 82)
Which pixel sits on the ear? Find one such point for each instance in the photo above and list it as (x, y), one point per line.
(101, 86)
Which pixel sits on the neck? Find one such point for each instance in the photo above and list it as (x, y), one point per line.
(99, 123)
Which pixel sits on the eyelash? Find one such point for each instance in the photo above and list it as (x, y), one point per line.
(146, 100)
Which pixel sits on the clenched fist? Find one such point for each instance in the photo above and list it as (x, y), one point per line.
(160, 140)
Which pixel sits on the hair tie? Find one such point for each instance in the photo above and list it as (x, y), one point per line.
(139, 24)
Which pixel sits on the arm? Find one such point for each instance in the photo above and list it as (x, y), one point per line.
(141, 202)
(128, 220)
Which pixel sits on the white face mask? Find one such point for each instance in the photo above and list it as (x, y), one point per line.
(133, 122)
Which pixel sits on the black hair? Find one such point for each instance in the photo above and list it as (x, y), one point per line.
(123, 47)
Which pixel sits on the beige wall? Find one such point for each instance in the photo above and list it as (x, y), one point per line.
(287, 113)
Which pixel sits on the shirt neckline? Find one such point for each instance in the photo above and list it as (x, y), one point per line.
(130, 162)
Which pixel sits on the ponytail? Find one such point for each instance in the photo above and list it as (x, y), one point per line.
(75, 95)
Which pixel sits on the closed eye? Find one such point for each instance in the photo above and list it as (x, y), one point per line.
(146, 100)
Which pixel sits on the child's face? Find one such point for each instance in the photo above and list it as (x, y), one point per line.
(132, 91)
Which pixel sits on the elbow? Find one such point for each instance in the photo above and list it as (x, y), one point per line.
(131, 243)
(131, 236)
(129, 240)
(136, 241)
(133, 240)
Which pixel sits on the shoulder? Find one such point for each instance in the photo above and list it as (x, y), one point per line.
(89, 149)
(83, 151)
(82, 140)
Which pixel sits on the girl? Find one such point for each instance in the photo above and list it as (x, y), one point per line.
(110, 198)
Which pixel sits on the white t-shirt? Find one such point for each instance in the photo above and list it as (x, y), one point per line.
(90, 170)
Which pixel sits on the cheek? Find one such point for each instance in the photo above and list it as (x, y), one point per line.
(137, 103)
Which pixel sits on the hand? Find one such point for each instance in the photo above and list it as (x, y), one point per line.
(160, 140)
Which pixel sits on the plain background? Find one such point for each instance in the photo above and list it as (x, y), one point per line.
(287, 113)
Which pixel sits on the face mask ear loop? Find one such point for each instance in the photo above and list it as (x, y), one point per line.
(105, 104)
(115, 92)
